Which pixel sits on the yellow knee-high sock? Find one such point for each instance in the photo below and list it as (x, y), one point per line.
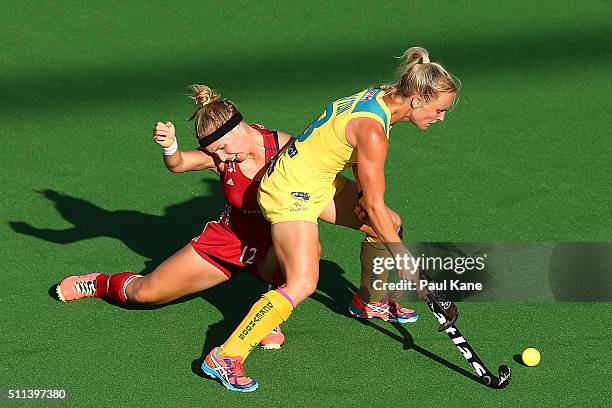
(268, 312)
(372, 248)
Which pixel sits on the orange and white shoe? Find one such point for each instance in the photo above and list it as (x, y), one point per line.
(229, 370)
(388, 310)
(77, 287)
(274, 340)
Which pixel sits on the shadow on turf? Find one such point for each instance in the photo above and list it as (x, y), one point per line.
(408, 343)
(151, 236)
(519, 360)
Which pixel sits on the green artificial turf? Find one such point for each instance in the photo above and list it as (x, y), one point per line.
(523, 157)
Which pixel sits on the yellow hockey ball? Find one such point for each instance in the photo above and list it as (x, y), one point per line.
(531, 357)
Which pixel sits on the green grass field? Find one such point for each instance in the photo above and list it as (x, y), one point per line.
(525, 156)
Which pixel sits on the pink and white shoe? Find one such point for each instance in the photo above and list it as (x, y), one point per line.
(388, 310)
(229, 370)
(77, 287)
(273, 340)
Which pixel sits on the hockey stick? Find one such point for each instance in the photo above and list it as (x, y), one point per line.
(445, 311)
(466, 350)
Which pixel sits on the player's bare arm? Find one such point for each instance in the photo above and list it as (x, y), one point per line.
(372, 147)
(361, 213)
(179, 161)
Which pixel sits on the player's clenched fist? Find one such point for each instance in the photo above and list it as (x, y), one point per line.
(164, 134)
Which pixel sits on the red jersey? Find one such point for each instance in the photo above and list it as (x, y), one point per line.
(242, 214)
(241, 235)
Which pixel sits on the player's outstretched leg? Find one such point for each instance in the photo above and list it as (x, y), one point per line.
(182, 274)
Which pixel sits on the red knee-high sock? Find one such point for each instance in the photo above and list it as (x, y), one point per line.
(114, 285)
(101, 282)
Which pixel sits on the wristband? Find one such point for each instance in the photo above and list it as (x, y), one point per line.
(168, 151)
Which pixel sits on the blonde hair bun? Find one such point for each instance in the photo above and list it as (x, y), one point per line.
(204, 95)
(414, 55)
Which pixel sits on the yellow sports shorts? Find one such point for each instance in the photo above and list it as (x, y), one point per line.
(281, 202)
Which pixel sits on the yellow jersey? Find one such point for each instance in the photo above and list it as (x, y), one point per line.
(303, 178)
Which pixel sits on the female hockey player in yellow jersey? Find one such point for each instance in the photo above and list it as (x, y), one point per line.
(304, 184)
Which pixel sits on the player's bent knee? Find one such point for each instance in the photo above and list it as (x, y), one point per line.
(301, 289)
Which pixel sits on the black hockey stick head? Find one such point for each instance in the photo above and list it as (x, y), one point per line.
(500, 382)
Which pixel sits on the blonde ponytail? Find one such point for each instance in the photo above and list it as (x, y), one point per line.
(419, 76)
